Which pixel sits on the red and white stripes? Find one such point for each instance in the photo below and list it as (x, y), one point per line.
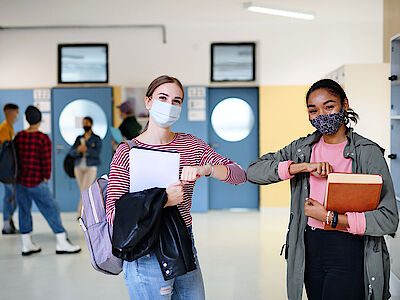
(193, 152)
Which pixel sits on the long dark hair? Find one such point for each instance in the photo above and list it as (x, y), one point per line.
(160, 81)
(335, 89)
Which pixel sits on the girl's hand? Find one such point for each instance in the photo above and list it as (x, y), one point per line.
(81, 148)
(175, 194)
(190, 174)
(315, 210)
(319, 169)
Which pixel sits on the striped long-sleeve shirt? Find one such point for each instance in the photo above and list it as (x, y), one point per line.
(193, 152)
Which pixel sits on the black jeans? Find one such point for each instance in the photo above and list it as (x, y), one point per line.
(334, 266)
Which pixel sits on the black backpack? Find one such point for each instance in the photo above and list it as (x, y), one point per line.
(69, 164)
(8, 163)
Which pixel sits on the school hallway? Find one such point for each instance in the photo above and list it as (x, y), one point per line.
(238, 253)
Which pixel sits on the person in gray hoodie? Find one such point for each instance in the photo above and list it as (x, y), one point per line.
(349, 264)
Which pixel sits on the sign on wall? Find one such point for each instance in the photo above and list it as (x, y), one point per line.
(196, 104)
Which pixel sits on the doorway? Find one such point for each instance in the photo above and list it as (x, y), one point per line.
(70, 106)
(233, 132)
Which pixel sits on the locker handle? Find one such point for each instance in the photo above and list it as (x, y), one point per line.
(392, 78)
(392, 156)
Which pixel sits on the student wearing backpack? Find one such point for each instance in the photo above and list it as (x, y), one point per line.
(164, 98)
(7, 134)
(34, 168)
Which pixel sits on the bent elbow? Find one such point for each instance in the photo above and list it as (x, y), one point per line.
(252, 175)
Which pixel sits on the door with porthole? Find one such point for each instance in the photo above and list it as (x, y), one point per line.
(233, 132)
(70, 106)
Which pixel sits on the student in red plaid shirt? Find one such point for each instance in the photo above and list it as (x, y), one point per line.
(34, 168)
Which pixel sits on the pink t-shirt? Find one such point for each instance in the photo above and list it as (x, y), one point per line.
(333, 154)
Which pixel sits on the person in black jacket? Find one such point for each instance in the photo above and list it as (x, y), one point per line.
(130, 128)
(86, 151)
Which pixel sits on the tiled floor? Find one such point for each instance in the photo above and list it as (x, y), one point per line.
(238, 253)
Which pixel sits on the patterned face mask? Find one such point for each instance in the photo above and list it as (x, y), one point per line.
(329, 124)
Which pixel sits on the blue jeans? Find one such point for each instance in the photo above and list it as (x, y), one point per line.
(8, 207)
(44, 201)
(144, 281)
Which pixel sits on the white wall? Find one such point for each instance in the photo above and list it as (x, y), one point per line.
(289, 51)
(368, 89)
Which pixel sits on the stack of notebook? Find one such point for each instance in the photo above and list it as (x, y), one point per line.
(347, 192)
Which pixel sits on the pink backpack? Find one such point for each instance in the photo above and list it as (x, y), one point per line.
(98, 233)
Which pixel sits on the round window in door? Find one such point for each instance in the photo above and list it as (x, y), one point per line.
(232, 119)
(71, 117)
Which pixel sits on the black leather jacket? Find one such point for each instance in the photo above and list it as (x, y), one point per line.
(142, 226)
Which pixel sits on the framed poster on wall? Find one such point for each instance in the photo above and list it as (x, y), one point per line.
(82, 63)
(233, 62)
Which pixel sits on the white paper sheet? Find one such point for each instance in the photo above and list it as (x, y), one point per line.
(152, 168)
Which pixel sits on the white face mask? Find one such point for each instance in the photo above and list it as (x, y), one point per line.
(164, 114)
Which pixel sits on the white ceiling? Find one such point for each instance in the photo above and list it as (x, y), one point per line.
(289, 51)
(51, 12)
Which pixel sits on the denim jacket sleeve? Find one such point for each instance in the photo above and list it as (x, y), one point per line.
(94, 147)
(384, 219)
(264, 170)
(73, 151)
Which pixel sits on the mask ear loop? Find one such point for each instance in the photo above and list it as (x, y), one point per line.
(346, 118)
(346, 121)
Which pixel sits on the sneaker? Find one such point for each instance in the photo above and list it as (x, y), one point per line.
(13, 226)
(9, 228)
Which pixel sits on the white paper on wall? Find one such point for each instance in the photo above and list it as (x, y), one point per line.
(197, 104)
(43, 106)
(196, 92)
(41, 94)
(196, 115)
(45, 125)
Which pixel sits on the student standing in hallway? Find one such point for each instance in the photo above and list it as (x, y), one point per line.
(130, 128)
(351, 264)
(7, 134)
(34, 168)
(86, 151)
(164, 98)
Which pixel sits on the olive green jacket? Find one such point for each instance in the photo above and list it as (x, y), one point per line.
(367, 157)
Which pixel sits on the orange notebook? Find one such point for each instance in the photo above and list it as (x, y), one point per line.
(349, 192)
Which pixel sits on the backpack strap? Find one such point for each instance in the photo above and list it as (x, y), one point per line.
(129, 143)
